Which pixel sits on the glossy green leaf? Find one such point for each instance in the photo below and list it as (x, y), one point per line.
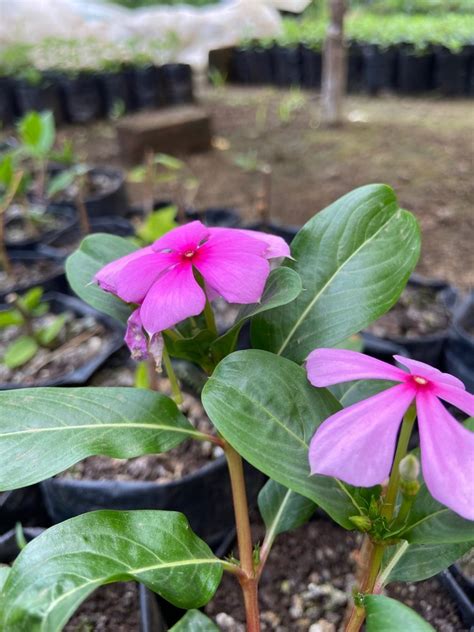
(354, 259)
(32, 298)
(48, 334)
(350, 393)
(20, 351)
(58, 570)
(415, 562)
(195, 621)
(282, 287)
(388, 615)
(93, 254)
(37, 133)
(10, 317)
(4, 572)
(282, 509)
(265, 407)
(45, 431)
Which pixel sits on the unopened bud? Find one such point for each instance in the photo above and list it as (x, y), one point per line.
(363, 523)
(409, 469)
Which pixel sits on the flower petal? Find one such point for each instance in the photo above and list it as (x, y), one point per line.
(175, 296)
(276, 246)
(429, 372)
(456, 396)
(107, 276)
(135, 337)
(136, 277)
(447, 456)
(357, 444)
(182, 238)
(233, 264)
(332, 366)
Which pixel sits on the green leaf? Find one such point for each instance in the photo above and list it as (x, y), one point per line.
(282, 509)
(48, 334)
(6, 171)
(20, 351)
(61, 181)
(194, 621)
(32, 298)
(265, 407)
(350, 393)
(65, 564)
(10, 317)
(283, 285)
(142, 378)
(354, 259)
(37, 133)
(157, 224)
(93, 254)
(415, 562)
(388, 615)
(4, 572)
(170, 162)
(45, 431)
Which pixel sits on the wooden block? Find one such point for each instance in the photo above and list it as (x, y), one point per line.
(175, 130)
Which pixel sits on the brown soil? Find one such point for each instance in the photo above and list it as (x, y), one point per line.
(20, 229)
(112, 608)
(27, 274)
(419, 312)
(308, 579)
(420, 146)
(188, 457)
(79, 341)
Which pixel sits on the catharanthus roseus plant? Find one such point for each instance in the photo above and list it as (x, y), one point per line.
(348, 266)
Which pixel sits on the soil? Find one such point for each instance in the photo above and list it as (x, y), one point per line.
(96, 185)
(188, 457)
(24, 275)
(420, 311)
(20, 229)
(112, 608)
(79, 341)
(308, 580)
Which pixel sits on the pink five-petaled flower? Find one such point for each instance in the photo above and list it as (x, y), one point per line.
(161, 277)
(357, 444)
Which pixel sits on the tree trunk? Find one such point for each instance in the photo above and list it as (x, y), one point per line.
(334, 66)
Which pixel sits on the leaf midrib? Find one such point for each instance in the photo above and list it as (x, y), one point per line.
(311, 304)
(100, 426)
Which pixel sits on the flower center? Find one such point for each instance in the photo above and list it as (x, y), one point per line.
(188, 254)
(420, 380)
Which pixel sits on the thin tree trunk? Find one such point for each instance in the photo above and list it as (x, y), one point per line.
(334, 66)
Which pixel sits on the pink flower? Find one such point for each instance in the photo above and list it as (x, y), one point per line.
(357, 444)
(161, 277)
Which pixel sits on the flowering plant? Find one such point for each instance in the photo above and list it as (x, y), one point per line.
(348, 266)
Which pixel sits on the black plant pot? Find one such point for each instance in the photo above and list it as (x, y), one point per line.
(428, 348)
(145, 88)
(382, 349)
(470, 70)
(177, 82)
(64, 214)
(355, 67)
(379, 68)
(114, 90)
(59, 303)
(38, 98)
(240, 65)
(225, 217)
(53, 281)
(451, 71)
(203, 496)
(24, 505)
(311, 67)
(7, 102)
(461, 590)
(254, 65)
(81, 97)
(459, 350)
(415, 70)
(286, 66)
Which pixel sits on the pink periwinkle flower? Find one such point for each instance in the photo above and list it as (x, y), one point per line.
(161, 278)
(357, 444)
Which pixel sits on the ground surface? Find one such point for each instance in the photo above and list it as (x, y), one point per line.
(423, 147)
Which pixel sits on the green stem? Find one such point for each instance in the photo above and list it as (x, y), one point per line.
(210, 320)
(405, 433)
(177, 395)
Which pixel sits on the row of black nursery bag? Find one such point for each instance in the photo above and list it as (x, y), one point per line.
(88, 96)
(371, 68)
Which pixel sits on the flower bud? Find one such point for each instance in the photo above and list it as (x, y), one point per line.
(362, 523)
(409, 469)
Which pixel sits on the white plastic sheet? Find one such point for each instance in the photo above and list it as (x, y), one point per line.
(195, 31)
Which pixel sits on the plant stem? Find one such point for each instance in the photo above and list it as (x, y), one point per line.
(375, 552)
(248, 581)
(209, 316)
(82, 211)
(152, 375)
(5, 203)
(177, 395)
